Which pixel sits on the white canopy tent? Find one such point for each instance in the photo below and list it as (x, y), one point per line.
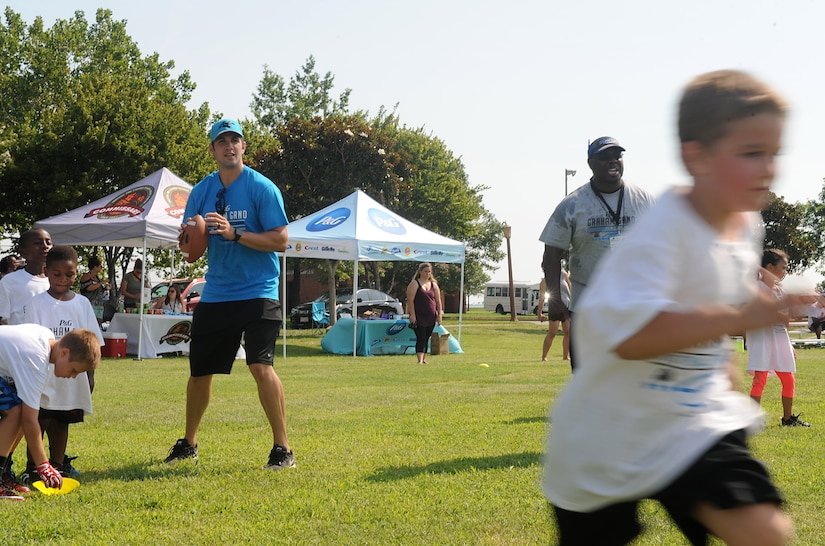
(146, 214)
(359, 228)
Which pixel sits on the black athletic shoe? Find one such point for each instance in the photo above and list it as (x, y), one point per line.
(794, 421)
(180, 451)
(280, 458)
(68, 471)
(29, 476)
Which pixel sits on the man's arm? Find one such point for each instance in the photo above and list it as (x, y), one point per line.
(274, 240)
(551, 264)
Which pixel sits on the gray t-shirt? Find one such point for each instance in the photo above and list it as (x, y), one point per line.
(583, 224)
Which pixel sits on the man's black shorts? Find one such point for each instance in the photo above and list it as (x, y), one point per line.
(217, 329)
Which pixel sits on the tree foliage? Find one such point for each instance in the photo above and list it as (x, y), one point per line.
(322, 160)
(83, 114)
(307, 96)
(814, 228)
(785, 230)
(437, 194)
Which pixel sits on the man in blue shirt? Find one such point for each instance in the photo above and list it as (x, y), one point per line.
(244, 212)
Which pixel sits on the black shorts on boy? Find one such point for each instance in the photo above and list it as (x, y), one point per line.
(726, 476)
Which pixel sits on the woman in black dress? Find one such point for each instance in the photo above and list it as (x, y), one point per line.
(424, 308)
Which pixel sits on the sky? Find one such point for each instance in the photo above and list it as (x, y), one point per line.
(515, 88)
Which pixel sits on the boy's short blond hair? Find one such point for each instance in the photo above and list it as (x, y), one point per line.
(713, 100)
(83, 346)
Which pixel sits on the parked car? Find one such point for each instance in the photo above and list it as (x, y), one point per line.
(192, 295)
(190, 291)
(368, 300)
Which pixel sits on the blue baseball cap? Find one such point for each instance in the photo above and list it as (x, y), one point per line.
(601, 144)
(224, 125)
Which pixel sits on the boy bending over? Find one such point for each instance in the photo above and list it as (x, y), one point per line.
(25, 353)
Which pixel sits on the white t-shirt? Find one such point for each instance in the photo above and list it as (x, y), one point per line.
(582, 223)
(64, 393)
(24, 358)
(624, 429)
(16, 289)
(770, 349)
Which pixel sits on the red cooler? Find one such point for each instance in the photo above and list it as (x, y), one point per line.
(115, 345)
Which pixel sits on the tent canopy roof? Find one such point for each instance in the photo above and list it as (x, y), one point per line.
(359, 228)
(150, 211)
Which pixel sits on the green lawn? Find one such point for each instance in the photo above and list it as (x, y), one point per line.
(388, 452)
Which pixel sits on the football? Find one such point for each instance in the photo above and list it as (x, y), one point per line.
(193, 239)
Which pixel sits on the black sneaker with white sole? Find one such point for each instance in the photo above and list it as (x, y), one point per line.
(180, 451)
(794, 421)
(280, 458)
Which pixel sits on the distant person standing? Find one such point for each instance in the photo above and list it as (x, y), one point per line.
(18, 287)
(172, 302)
(9, 263)
(770, 348)
(554, 321)
(92, 287)
(589, 221)
(244, 212)
(132, 284)
(424, 308)
(816, 318)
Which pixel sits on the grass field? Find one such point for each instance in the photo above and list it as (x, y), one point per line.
(388, 452)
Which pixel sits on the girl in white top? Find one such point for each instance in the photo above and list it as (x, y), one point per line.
(172, 302)
(770, 349)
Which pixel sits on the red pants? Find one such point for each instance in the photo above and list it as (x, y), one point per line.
(761, 378)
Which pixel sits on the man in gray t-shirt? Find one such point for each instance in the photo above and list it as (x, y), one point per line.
(591, 220)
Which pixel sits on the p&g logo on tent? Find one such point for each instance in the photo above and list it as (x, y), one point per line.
(330, 220)
(385, 222)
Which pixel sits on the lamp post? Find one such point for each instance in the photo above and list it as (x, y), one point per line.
(567, 172)
(508, 230)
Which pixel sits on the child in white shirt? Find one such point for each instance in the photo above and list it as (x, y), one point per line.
(64, 400)
(652, 411)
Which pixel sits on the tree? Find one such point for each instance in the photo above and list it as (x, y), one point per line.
(83, 114)
(814, 227)
(324, 154)
(322, 160)
(784, 230)
(437, 194)
(308, 96)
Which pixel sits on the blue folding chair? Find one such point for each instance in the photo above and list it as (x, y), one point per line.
(320, 317)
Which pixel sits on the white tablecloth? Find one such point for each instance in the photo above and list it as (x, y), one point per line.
(161, 333)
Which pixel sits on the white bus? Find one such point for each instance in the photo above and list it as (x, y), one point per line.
(526, 294)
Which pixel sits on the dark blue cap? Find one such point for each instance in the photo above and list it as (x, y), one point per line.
(601, 144)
